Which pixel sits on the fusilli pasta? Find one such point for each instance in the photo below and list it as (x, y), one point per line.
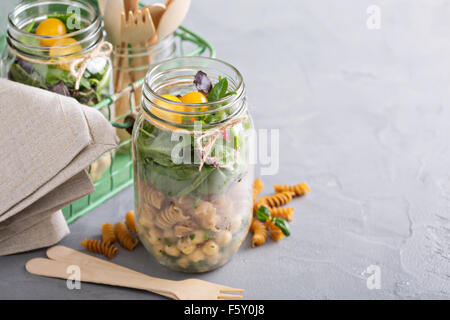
(285, 213)
(258, 186)
(96, 246)
(170, 216)
(108, 235)
(275, 233)
(155, 198)
(259, 232)
(126, 240)
(129, 219)
(278, 199)
(298, 189)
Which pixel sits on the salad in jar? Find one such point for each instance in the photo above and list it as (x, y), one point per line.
(193, 177)
(61, 52)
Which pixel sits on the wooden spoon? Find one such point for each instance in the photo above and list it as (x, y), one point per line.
(111, 18)
(156, 11)
(102, 6)
(172, 18)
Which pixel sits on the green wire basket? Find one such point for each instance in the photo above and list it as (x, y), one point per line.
(120, 173)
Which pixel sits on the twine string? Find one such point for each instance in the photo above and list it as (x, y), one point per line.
(203, 151)
(77, 65)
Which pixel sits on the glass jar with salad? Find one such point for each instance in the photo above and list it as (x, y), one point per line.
(192, 172)
(58, 45)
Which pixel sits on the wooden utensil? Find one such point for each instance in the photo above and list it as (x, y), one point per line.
(176, 11)
(137, 30)
(138, 27)
(156, 11)
(74, 257)
(102, 6)
(111, 19)
(130, 5)
(103, 273)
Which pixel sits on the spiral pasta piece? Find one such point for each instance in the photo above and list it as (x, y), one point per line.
(299, 189)
(259, 232)
(129, 219)
(275, 233)
(170, 216)
(96, 246)
(108, 235)
(126, 240)
(285, 213)
(278, 199)
(155, 197)
(257, 205)
(258, 186)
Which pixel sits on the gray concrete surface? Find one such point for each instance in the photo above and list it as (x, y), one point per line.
(364, 118)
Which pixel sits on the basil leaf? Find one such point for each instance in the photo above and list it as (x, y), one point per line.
(283, 225)
(263, 213)
(219, 90)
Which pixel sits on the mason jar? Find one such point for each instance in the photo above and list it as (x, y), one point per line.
(73, 60)
(131, 64)
(192, 172)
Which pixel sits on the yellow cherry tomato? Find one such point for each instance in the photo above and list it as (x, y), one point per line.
(69, 46)
(50, 27)
(166, 115)
(194, 97)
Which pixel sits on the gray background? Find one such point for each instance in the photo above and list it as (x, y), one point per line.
(364, 119)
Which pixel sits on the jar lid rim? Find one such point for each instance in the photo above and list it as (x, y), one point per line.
(228, 99)
(25, 5)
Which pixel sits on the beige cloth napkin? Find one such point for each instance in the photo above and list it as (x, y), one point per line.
(46, 141)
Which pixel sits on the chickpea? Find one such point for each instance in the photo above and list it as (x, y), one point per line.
(172, 251)
(153, 236)
(197, 237)
(183, 262)
(145, 220)
(235, 223)
(210, 248)
(185, 246)
(214, 259)
(158, 250)
(196, 256)
(223, 238)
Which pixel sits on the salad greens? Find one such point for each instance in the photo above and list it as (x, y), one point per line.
(92, 86)
(154, 153)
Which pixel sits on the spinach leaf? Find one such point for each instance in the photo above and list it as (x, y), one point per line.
(34, 79)
(29, 27)
(219, 90)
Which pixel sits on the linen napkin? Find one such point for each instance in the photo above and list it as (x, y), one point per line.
(46, 142)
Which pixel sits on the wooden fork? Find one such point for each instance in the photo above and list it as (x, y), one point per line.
(103, 272)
